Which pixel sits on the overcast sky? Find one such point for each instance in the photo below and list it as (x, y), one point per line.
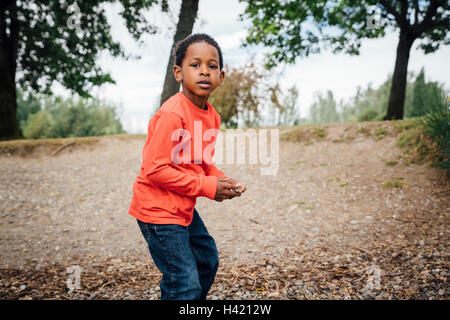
(139, 82)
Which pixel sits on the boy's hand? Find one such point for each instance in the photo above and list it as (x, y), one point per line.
(240, 188)
(228, 188)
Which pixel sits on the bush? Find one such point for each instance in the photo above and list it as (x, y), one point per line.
(26, 106)
(39, 125)
(63, 118)
(369, 114)
(437, 126)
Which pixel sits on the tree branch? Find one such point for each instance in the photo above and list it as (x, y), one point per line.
(427, 22)
(404, 12)
(439, 23)
(416, 12)
(390, 9)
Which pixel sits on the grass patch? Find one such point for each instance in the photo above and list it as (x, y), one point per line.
(304, 205)
(391, 163)
(349, 138)
(319, 132)
(395, 184)
(380, 133)
(402, 125)
(437, 127)
(364, 131)
(26, 147)
(306, 134)
(416, 145)
(344, 184)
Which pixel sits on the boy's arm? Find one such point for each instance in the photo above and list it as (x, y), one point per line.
(211, 169)
(159, 168)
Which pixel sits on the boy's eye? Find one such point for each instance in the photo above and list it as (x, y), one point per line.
(213, 66)
(195, 65)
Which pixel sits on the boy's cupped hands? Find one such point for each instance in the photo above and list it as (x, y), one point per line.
(228, 188)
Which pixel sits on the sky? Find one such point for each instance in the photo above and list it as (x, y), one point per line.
(139, 82)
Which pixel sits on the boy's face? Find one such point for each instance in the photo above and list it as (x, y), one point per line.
(199, 72)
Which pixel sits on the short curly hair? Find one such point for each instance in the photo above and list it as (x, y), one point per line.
(179, 51)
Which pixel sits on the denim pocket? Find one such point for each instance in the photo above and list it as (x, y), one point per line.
(145, 230)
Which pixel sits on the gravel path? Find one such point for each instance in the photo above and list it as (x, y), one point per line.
(325, 223)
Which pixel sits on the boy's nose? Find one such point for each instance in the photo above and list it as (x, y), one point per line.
(204, 71)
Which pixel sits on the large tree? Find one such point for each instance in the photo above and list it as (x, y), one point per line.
(294, 29)
(186, 20)
(46, 41)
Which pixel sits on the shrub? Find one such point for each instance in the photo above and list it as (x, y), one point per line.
(62, 118)
(39, 125)
(437, 126)
(369, 114)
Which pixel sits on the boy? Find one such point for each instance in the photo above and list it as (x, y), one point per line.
(165, 192)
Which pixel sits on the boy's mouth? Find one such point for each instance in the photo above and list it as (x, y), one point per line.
(204, 84)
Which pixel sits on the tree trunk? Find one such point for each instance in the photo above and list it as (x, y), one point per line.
(8, 55)
(399, 78)
(187, 16)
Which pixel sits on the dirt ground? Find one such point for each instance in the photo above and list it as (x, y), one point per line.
(343, 218)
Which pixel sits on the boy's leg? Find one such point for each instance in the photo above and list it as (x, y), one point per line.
(170, 249)
(205, 253)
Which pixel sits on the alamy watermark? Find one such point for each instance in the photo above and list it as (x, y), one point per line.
(74, 21)
(259, 144)
(373, 281)
(73, 281)
(373, 21)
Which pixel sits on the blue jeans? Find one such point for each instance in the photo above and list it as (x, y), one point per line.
(186, 256)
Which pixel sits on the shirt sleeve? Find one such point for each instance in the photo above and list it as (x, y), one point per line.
(160, 169)
(211, 169)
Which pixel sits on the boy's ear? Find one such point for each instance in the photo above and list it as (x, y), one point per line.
(177, 73)
(221, 76)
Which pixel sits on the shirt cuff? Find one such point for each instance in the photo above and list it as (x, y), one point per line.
(208, 186)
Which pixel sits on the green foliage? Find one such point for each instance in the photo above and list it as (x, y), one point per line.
(370, 104)
(61, 40)
(427, 97)
(437, 126)
(39, 125)
(416, 144)
(369, 114)
(26, 107)
(291, 29)
(61, 118)
(324, 109)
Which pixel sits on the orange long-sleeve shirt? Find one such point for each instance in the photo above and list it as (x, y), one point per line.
(171, 178)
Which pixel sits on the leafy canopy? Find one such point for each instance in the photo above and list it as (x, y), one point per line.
(61, 40)
(294, 29)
